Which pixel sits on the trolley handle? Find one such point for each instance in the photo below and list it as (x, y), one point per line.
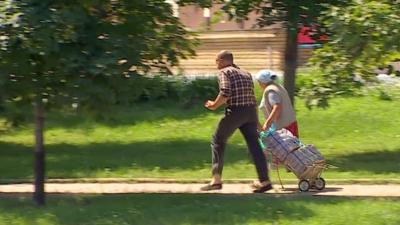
(264, 134)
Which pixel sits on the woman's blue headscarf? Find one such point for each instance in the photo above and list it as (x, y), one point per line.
(266, 76)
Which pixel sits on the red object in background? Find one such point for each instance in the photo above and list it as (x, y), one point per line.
(304, 36)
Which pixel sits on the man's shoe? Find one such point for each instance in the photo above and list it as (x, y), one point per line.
(210, 187)
(263, 188)
(255, 184)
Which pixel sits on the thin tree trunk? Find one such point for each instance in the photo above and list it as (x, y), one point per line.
(291, 53)
(39, 156)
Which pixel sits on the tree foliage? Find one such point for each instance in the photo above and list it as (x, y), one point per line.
(363, 36)
(290, 14)
(81, 53)
(84, 53)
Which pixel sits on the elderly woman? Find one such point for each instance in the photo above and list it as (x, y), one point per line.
(276, 107)
(275, 104)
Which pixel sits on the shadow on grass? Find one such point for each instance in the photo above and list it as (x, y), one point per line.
(165, 209)
(67, 161)
(379, 162)
(156, 158)
(120, 116)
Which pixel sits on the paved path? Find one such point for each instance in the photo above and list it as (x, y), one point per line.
(389, 190)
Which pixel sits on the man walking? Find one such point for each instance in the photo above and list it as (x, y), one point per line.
(237, 92)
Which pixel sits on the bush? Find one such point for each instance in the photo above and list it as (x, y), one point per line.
(199, 90)
(180, 89)
(154, 88)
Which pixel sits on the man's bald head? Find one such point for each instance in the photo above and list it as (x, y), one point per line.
(226, 55)
(224, 59)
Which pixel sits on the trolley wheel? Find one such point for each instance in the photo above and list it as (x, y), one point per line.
(319, 183)
(304, 185)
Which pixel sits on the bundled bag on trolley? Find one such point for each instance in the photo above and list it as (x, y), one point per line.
(299, 158)
(305, 161)
(279, 142)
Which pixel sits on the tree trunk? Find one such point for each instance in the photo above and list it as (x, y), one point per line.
(39, 156)
(291, 53)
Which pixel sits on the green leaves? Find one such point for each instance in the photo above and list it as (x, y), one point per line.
(364, 36)
(289, 14)
(70, 52)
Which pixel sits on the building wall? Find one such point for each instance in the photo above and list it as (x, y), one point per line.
(254, 48)
(192, 16)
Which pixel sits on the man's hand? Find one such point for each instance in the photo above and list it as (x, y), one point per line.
(210, 105)
(213, 105)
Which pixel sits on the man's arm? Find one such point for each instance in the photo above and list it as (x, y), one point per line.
(224, 92)
(213, 105)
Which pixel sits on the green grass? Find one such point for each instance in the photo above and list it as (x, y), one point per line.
(359, 135)
(183, 209)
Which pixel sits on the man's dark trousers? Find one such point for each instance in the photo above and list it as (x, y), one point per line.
(244, 118)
